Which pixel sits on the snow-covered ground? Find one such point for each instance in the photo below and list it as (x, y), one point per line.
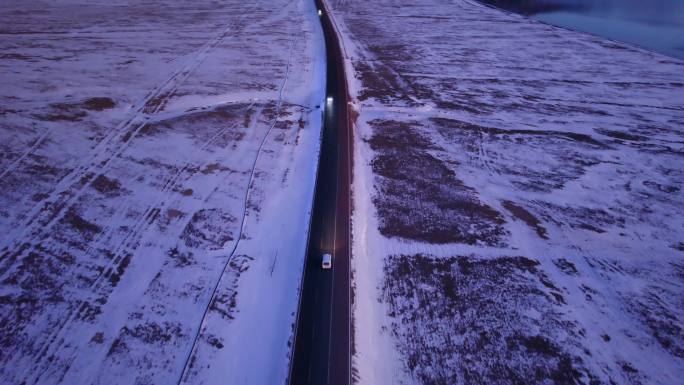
(518, 200)
(158, 160)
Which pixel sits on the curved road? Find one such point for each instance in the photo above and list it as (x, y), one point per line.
(322, 340)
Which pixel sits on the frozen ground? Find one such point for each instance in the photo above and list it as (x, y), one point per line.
(518, 200)
(140, 142)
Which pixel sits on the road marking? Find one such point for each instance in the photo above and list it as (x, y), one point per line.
(332, 290)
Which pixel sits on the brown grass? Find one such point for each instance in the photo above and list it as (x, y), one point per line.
(465, 320)
(99, 103)
(87, 228)
(418, 197)
(527, 217)
(106, 185)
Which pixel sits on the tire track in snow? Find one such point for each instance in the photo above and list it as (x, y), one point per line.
(126, 247)
(163, 92)
(13, 166)
(483, 153)
(250, 182)
(105, 152)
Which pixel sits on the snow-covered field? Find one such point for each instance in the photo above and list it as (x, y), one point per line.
(518, 200)
(157, 172)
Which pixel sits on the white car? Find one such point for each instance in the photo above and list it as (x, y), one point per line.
(327, 261)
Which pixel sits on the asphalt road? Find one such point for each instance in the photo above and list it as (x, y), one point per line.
(322, 342)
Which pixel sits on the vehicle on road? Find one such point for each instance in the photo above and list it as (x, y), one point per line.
(327, 261)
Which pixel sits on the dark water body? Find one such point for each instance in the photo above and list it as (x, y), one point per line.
(656, 25)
